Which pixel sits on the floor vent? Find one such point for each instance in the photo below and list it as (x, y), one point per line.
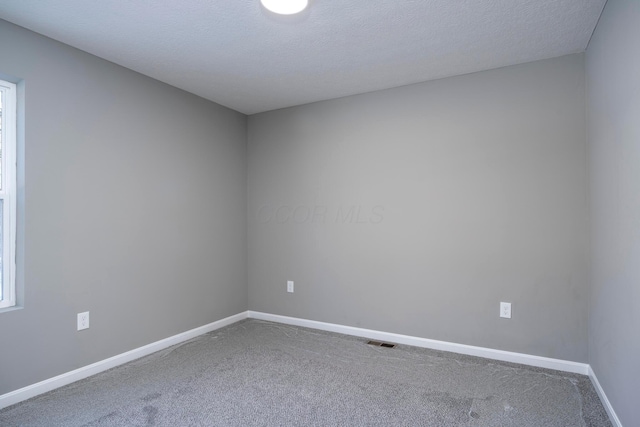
(381, 344)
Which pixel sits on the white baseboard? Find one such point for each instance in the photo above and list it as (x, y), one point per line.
(613, 417)
(489, 353)
(33, 390)
(30, 391)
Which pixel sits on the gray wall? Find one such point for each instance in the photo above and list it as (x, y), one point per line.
(613, 80)
(417, 210)
(134, 209)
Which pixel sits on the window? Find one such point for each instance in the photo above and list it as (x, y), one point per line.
(7, 194)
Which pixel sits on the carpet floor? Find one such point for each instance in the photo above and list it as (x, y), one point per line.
(256, 373)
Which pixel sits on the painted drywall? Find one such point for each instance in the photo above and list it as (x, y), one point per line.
(417, 210)
(613, 81)
(133, 208)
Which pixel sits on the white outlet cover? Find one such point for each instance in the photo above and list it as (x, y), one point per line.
(505, 310)
(83, 320)
(290, 286)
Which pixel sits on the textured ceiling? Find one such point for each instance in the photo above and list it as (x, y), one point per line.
(237, 54)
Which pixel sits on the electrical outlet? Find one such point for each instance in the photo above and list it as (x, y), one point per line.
(505, 310)
(290, 286)
(83, 320)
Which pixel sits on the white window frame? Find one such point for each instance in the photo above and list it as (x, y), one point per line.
(8, 193)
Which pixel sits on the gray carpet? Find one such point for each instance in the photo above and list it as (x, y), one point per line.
(256, 373)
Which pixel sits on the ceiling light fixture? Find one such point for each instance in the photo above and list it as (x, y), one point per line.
(285, 7)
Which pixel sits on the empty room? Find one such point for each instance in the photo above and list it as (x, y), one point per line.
(320, 213)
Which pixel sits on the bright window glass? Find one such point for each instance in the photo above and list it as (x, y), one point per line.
(7, 193)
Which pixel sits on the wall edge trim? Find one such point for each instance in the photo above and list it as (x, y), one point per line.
(488, 353)
(24, 393)
(613, 417)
